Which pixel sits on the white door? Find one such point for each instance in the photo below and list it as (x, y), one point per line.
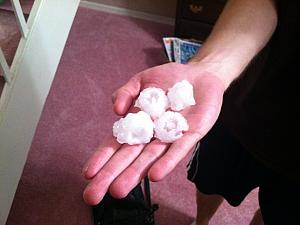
(28, 81)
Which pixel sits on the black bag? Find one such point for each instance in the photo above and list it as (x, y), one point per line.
(135, 209)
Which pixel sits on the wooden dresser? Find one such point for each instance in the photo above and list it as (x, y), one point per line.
(195, 18)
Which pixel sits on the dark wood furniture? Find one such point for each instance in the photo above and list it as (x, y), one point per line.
(195, 18)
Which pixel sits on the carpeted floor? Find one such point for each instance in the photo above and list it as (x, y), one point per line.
(102, 52)
(25, 4)
(9, 39)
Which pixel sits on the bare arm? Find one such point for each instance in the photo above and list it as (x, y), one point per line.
(242, 30)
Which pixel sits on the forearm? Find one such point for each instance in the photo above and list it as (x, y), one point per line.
(242, 30)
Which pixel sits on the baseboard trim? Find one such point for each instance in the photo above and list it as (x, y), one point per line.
(127, 12)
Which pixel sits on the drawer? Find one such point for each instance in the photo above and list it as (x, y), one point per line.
(192, 29)
(206, 11)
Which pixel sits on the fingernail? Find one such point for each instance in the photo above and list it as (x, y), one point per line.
(113, 97)
(85, 168)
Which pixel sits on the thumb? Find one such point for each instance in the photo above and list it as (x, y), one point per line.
(123, 97)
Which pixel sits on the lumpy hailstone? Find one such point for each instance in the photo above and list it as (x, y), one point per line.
(169, 127)
(134, 128)
(181, 95)
(137, 128)
(152, 101)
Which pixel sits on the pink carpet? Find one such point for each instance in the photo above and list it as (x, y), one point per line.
(9, 39)
(102, 52)
(25, 4)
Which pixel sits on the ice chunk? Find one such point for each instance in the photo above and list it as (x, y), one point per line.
(181, 95)
(134, 128)
(169, 127)
(152, 101)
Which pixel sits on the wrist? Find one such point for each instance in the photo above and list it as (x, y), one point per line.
(226, 64)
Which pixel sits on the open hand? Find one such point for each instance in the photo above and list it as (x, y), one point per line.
(119, 168)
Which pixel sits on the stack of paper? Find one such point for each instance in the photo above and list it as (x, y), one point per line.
(180, 50)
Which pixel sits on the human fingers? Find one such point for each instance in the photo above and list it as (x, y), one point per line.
(177, 151)
(138, 169)
(99, 185)
(123, 98)
(103, 153)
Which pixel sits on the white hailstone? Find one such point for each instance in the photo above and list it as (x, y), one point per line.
(181, 95)
(152, 101)
(134, 128)
(169, 127)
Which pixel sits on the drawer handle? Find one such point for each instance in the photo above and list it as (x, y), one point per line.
(196, 8)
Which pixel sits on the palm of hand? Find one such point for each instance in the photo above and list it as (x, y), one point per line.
(120, 167)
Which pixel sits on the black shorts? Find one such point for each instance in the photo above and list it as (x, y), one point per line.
(220, 165)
